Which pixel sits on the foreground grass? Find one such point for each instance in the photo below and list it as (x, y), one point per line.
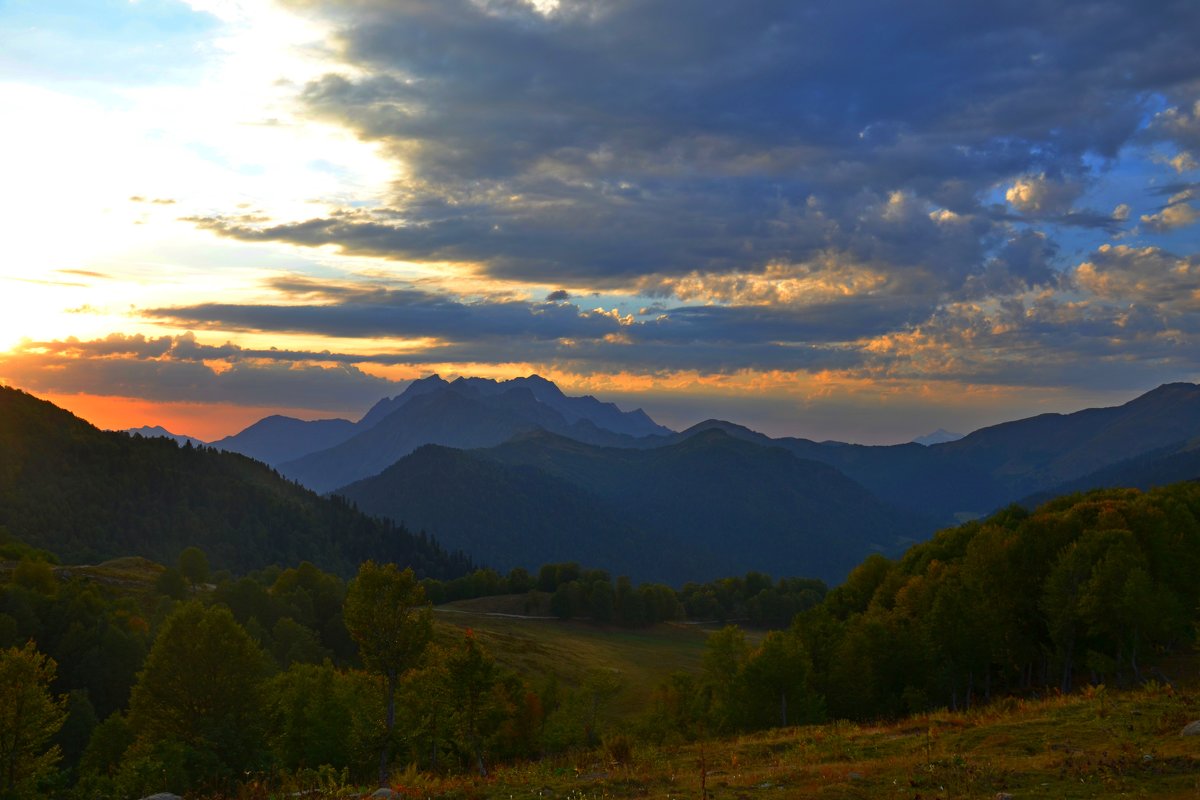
(1093, 745)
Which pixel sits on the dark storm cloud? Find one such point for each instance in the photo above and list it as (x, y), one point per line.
(608, 141)
(350, 310)
(399, 313)
(896, 189)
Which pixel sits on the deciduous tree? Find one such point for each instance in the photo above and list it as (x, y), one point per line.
(388, 616)
(29, 718)
(201, 686)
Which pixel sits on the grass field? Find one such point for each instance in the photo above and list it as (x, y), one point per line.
(539, 647)
(1092, 745)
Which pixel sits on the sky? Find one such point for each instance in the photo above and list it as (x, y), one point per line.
(840, 219)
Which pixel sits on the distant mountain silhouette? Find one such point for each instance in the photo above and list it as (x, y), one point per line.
(704, 506)
(90, 495)
(159, 432)
(464, 413)
(1033, 454)
(276, 439)
(1004, 463)
(940, 436)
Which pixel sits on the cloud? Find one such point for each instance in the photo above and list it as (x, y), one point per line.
(578, 146)
(180, 369)
(1146, 276)
(397, 313)
(1177, 213)
(1180, 126)
(1038, 195)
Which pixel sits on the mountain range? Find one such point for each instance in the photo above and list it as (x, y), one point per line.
(465, 412)
(518, 474)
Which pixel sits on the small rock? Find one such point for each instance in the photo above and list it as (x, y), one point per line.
(1003, 796)
(855, 776)
(1192, 729)
(162, 796)
(1147, 758)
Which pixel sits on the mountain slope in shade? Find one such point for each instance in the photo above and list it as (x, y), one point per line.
(90, 495)
(1158, 468)
(276, 439)
(465, 413)
(518, 516)
(388, 405)
(1033, 454)
(734, 506)
(908, 476)
(158, 431)
(1004, 463)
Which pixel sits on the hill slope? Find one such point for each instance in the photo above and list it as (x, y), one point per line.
(517, 515)
(705, 507)
(1004, 463)
(89, 495)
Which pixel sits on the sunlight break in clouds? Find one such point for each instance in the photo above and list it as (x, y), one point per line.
(97, 175)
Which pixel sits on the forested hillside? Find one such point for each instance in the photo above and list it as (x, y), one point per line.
(90, 495)
(1086, 589)
(706, 506)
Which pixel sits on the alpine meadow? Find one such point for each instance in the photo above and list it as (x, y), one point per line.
(585, 399)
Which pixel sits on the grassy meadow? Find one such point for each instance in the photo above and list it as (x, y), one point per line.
(1095, 744)
(639, 658)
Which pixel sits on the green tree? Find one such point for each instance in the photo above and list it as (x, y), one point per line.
(102, 758)
(472, 673)
(201, 687)
(725, 654)
(598, 689)
(172, 584)
(776, 680)
(29, 717)
(387, 615)
(313, 711)
(193, 565)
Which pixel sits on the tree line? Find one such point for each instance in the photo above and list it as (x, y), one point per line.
(569, 591)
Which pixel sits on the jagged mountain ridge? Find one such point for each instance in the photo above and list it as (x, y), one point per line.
(465, 413)
(278, 440)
